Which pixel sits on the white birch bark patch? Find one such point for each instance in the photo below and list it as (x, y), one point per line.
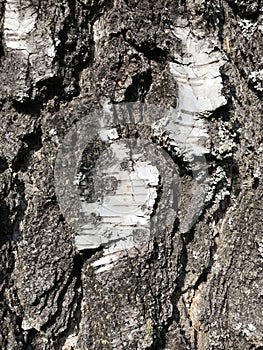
(28, 41)
(20, 18)
(118, 185)
(128, 178)
(22, 32)
(197, 72)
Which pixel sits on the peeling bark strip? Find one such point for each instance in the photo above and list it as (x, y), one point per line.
(179, 266)
(19, 22)
(197, 72)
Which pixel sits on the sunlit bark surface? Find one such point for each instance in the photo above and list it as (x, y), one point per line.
(179, 266)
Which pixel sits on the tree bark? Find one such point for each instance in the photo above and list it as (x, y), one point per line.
(195, 285)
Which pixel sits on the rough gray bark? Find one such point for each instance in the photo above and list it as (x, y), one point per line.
(198, 288)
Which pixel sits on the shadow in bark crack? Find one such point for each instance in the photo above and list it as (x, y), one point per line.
(28, 338)
(6, 223)
(139, 88)
(32, 144)
(249, 9)
(31, 107)
(73, 326)
(3, 164)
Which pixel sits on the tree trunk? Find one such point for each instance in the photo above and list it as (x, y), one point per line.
(182, 80)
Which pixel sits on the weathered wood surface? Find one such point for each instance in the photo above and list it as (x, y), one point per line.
(197, 284)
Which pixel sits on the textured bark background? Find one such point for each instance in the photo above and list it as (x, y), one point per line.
(201, 289)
